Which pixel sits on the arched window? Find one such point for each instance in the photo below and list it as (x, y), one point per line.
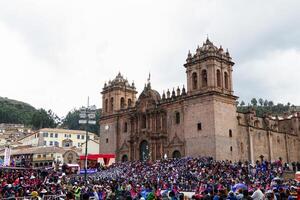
(226, 80)
(177, 117)
(143, 121)
(124, 158)
(106, 105)
(230, 133)
(218, 78)
(176, 154)
(204, 78)
(122, 103)
(129, 103)
(111, 104)
(125, 127)
(195, 80)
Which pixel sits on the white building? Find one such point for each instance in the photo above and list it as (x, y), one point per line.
(63, 137)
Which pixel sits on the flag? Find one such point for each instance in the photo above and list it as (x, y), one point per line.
(7, 157)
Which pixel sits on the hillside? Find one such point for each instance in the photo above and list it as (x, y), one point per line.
(17, 112)
(12, 111)
(263, 107)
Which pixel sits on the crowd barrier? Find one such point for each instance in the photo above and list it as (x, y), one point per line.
(45, 197)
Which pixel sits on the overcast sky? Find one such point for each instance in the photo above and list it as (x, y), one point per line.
(53, 54)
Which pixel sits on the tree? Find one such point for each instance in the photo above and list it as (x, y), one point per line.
(71, 121)
(43, 119)
(266, 103)
(261, 101)
(270, 103)
(242, 103)
(254, 102)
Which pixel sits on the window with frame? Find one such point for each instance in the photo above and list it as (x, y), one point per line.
(106, 105)
(51, 134)
(218, 78)
(144, 122)
(129, 103)
(204, 78)
(45, 134)
(45, 143)
(82, 137)
(226, 80)
(195, 80)
(51, 143)
(199, 126)
(111, 104)
(125, 127)
(177, 117)
(56, 143)
(78, 136)
(56, 135)
(122, 102)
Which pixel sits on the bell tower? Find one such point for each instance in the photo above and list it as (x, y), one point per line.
(209, 69)
(118, 94)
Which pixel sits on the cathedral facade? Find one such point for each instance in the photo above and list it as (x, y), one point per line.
(200, 120)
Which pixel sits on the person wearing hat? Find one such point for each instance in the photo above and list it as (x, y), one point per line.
(257, 194)
(77, 193)
(35, 195)
(43, 192)
(270, 195)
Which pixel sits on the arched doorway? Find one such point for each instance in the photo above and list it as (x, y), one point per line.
(144, 151)
(176, 154)
(124, 158)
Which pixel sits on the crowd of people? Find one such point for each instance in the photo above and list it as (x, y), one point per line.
(196, 178)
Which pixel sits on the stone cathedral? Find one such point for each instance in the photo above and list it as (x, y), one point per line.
(199, 120)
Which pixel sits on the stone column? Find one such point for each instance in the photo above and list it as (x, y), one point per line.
(271, 146)
(286, 148)
(154, 153)
(251, 146)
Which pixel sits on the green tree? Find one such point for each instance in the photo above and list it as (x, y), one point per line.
(43, 119)
(266, 103)
(261, 101)
(254, 101)
(242, 103)
(71, 121)
(270, 103)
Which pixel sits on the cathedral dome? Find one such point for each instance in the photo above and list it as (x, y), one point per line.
(149, 93)
(120, 80)
(208, 46)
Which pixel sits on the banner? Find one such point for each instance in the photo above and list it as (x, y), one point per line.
(7, 157)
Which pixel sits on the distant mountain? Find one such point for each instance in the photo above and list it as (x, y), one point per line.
(16, 112)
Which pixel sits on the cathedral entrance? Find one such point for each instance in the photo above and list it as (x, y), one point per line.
(176, 154)
(124, 158)
(144, 151)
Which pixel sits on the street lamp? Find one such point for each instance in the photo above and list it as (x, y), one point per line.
(87, 116)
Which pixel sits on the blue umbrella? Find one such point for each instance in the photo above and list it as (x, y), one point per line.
(238, 186)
